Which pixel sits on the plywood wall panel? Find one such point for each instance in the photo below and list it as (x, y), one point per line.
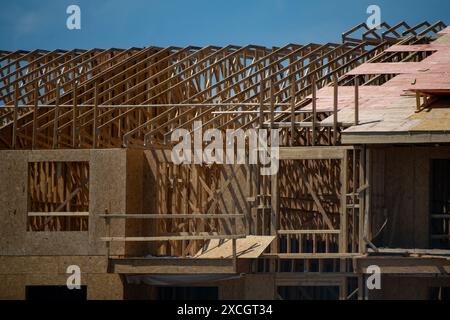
(107, 189)
(400, 186)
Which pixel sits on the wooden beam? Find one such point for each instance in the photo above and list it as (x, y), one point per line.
(171, 238)
(303, 256)
(312, 153)
(392, 137)
(172, 216)
(287, 232)
(58, 214)
(172, 266)
(405, 265)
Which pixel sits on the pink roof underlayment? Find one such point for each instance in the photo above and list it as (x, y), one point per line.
(388, 113)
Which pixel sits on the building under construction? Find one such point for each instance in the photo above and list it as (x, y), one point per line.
(363, 180)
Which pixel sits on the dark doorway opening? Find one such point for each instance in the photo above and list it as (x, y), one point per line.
(440, 293)
(440, 204)
(55, 293)
(309, 293)
(188, 293)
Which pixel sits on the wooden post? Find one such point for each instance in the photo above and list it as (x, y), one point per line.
(314, 112)
(362, 177)
(354, 195)
(335, 110)
(292, 110)
(55, 120)
(343, 243)
(417, 101)
(233, 242)
(261, 122)
(343, 220)
(273, 182)
(94, 125)
(360, 287)
(16, 106)
(367, 197)
(356, 100)
(365, 289)
(343, 291)
(108, 243)
(35, 111)
(275, 212)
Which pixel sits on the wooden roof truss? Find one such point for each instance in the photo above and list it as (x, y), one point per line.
(136, 97)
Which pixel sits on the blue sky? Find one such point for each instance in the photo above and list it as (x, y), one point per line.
(41, 24)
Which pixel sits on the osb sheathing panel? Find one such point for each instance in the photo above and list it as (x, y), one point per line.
(51, 264)
(108, 178)
(400, 187)
(99, 286)
(13, 287)
(13, 193)
(406, 288)
(134, 203)
(18, 272)
(437, 118)
(259, 287)
(107, 189)
(104, 287)
(232, 289)
(149, 194)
